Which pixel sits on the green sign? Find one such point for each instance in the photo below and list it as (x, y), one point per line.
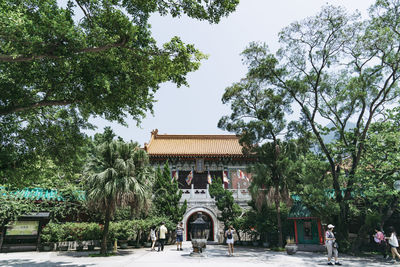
(23, 228)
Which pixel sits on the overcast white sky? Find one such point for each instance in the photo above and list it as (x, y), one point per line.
(197, 109)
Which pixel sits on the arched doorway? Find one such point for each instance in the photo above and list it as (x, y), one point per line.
(207, 218)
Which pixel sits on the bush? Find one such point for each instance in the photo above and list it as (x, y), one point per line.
(123, 230)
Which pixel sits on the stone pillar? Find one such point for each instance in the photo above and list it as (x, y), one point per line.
(238, 191)
(208, 192)
(192, 191)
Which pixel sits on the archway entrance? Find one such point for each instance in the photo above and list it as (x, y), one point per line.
(207, 218)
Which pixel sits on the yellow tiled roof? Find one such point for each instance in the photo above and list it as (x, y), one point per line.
(193, 145)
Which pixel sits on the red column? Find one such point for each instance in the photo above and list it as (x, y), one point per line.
(295, 231)
(321, 239)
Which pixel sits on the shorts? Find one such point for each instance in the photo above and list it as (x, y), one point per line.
(179, 238)
(229, 241)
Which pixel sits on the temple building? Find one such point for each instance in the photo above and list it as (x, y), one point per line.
(195, 161)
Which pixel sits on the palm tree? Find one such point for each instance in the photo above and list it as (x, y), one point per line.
(118, 175)
(270, 179)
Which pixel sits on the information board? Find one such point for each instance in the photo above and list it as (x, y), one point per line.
(23, 228)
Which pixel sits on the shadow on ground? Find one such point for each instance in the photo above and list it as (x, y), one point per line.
(30, 263)
(75, 254)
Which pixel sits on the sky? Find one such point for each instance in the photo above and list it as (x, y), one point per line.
(197, 109)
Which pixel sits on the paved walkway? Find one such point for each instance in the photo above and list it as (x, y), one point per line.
(216, 256)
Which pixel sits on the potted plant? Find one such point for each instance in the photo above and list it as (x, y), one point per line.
(92, 234)
(291, 247)
(48, 236)
(121, 232)
(254, 237)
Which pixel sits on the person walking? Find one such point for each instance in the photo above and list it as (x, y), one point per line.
(380, 241)
(393, 243)
(153, 237)
(229, 239)
(162, 235)
(331, 245)
(179, 236)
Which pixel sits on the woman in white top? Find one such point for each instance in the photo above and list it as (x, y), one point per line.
(153, 236)
(394, 243)
(229, 239)
(331, 245)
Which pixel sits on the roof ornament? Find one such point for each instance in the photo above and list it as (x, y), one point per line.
(154, 132)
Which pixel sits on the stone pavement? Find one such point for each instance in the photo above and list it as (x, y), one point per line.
(216, 256)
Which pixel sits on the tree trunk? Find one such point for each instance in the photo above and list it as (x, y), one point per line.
(342, 228)
(105, 232)
(3, 230)
(278, 216)
(362, 232)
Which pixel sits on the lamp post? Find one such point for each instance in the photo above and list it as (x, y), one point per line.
(199, 235)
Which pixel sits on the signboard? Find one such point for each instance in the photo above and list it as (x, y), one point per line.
(23, 228)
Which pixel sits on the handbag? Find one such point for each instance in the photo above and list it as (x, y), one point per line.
(335, 244)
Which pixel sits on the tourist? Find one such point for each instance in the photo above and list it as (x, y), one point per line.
(153, 236)
(331, 245)
(162, 235)
(229, 239)
(179, 236)
(393, 243)
(380, 241)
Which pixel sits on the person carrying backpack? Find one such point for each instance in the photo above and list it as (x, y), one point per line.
(229, 239)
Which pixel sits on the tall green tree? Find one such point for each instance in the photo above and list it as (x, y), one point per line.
(376, 198)
(258, 116)
(118, 176)
(167, 195)
(271, 178)
(84, 58)
(229, 209)
(340, 68)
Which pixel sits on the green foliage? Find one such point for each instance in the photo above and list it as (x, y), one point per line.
(61, 64)
(56, 232)
(118, 175)
(42, 149)
(229, 209)
(122, 230)
(167, 195)
(334, 66)
(11, 208)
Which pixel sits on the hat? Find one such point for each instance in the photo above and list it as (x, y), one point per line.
(331, 226)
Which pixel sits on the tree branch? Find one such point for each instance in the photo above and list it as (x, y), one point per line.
(47, 103)
(21, 58)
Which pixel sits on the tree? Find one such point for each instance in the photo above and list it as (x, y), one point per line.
(229, 209)
(104, 63)
(375, 196)
(119, 175)
(87, 58)
(38, 147)
(257, 117)
(336, 67)
(167, 195)
(272, 177)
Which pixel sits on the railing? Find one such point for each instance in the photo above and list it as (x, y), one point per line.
(204, 195)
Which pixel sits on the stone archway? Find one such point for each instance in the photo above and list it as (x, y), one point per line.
(208, 213)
